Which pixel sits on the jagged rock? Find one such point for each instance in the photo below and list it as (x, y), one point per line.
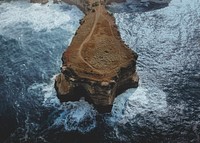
(39, 1)
(81, 4)
(151, 3)
(97, 65)
(57, 1)
(86, 5)
(157, 1)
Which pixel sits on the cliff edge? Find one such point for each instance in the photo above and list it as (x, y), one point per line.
(39, 1)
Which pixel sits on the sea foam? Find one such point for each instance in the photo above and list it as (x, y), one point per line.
(39, 17)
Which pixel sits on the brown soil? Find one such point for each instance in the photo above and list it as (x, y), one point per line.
(96, 51)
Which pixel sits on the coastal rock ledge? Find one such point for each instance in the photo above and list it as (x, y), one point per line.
(39, 1)
(97, 65)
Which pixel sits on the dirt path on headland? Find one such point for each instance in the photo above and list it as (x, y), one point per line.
(96, 50)
(97, 14)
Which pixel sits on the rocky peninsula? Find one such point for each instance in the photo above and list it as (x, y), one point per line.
(97, 65)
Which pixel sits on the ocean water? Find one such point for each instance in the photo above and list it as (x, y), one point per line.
(165, 108)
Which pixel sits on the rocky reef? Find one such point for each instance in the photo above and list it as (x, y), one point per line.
(39, 1)
(86, 5)
(157, 1)
(97, 65)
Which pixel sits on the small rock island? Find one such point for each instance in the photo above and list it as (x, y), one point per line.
(97, 65)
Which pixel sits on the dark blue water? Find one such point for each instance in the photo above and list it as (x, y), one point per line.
(165, 108)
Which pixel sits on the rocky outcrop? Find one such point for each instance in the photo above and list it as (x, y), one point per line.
(81, 4)
(97, 65)
(157, 1)
(117, 1)
(86, 5)
(39, 1)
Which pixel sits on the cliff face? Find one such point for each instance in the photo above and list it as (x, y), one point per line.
(97, 65)
(157, 1)
(86, 5)
(39, 1)
(81, 4)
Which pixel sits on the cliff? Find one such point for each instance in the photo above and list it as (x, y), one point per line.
(81, 4)
(97, 65)
(39, 1)
(157, 1)
(86, 5)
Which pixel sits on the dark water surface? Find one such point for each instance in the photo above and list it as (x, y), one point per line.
(165, 108)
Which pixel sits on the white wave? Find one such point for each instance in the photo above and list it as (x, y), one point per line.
(138, 101)
(47, 91)
(39, 17)
(77, 116)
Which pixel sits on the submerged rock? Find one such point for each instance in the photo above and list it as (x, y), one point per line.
(151, 3)
(97, 65)
(39, 1)
(157, 1)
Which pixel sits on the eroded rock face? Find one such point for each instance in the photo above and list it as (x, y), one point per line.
(154, 3)
(86, 5)
(97, 65)
(39, 1)
(157, 1)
